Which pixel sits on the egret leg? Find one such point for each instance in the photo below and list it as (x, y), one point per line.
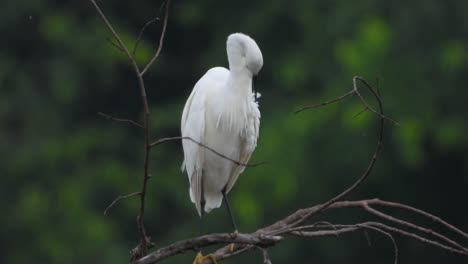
(200, 258)
(233, 221)
(202, 214)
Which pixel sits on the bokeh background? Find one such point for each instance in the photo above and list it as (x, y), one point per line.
(62, 164)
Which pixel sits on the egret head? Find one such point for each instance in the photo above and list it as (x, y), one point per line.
(244, 54)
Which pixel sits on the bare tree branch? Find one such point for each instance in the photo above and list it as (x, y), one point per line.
(145, 243)
(207, 240)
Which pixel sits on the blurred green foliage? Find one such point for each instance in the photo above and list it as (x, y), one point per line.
(62, 164)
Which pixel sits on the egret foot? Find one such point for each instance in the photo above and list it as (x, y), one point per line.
(231, 248)
(200, 258)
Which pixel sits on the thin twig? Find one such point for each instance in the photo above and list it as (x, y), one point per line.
(420, 212)
(418, 237)
(360, 112)
(121, 120)
(115, 45)
(376, 95)
(347, 229)
(395, 247)
(327, 102)
(140, 35)
(163, 140)
(350, 93)
(120, 197)
(114, 33)
(411, 225)
(161, 40)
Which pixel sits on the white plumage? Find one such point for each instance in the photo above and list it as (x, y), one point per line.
(222, 114)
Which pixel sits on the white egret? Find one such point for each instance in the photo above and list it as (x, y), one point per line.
(222, 113)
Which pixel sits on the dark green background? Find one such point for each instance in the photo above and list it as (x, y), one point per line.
(62, 164)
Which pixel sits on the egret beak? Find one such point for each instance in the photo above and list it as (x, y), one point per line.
(254, 84)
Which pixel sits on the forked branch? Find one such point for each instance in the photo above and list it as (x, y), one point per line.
(145, 243)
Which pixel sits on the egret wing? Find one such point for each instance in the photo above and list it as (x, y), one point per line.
(193, 126)
(247, 145)
(243, 158)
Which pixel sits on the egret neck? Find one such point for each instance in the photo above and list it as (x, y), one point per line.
(240, 83)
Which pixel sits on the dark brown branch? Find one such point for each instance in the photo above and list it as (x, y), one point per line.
(336, 230)
(207, 240)
(120, 197)
(121, 120)
(163, 140)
